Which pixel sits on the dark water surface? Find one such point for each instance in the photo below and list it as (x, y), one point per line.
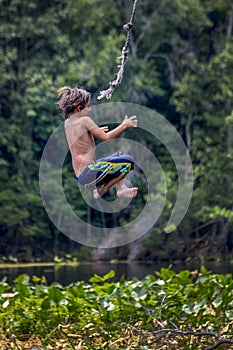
(68, 274)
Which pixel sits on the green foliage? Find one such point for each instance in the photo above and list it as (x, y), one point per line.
(99, 313)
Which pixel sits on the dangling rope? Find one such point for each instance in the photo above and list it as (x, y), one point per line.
(124, 56)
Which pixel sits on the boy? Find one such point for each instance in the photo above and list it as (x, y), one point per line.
(80, 131)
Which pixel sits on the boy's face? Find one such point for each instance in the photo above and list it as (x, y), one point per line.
(87, 109)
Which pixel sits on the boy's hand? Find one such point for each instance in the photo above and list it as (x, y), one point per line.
(130, 122)
(104, 128)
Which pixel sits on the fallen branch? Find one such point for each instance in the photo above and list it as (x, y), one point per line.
(220, 342)
(177, 332)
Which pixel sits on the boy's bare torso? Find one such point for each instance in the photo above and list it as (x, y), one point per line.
(80, 131)
(81, 144)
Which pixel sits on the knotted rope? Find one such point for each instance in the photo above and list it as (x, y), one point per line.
(124, 56)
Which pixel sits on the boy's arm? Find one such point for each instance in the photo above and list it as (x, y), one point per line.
(128, 122)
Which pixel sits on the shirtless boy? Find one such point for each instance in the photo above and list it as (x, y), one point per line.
(80, 131)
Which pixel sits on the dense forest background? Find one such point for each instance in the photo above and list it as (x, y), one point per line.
(180, 64)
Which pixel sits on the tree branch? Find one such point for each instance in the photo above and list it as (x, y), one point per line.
(220, 342)
(177, 332)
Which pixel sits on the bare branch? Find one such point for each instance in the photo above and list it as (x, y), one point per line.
(220, 342)
(175, 332)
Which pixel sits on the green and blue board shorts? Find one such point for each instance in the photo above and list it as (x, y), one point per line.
(98, 174)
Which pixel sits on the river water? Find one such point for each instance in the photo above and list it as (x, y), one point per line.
(67, 274)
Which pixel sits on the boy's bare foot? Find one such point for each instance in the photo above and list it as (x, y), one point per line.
(127, 192)
(96, 194)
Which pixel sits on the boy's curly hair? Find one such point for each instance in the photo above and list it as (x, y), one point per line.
(71, 98)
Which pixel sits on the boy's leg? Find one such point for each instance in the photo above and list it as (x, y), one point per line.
(126, 192)
(98, 192)
(123, 190)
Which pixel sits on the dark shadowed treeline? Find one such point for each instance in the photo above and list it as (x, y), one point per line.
(180, 64)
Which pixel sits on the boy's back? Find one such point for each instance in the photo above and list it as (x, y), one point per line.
(81, 143)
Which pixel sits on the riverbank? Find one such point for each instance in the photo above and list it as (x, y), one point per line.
(70, 272)
(34, 264)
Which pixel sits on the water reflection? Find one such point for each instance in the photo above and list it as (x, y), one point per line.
(69, 274)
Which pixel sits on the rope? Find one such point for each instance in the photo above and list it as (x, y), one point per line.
(124, 56)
